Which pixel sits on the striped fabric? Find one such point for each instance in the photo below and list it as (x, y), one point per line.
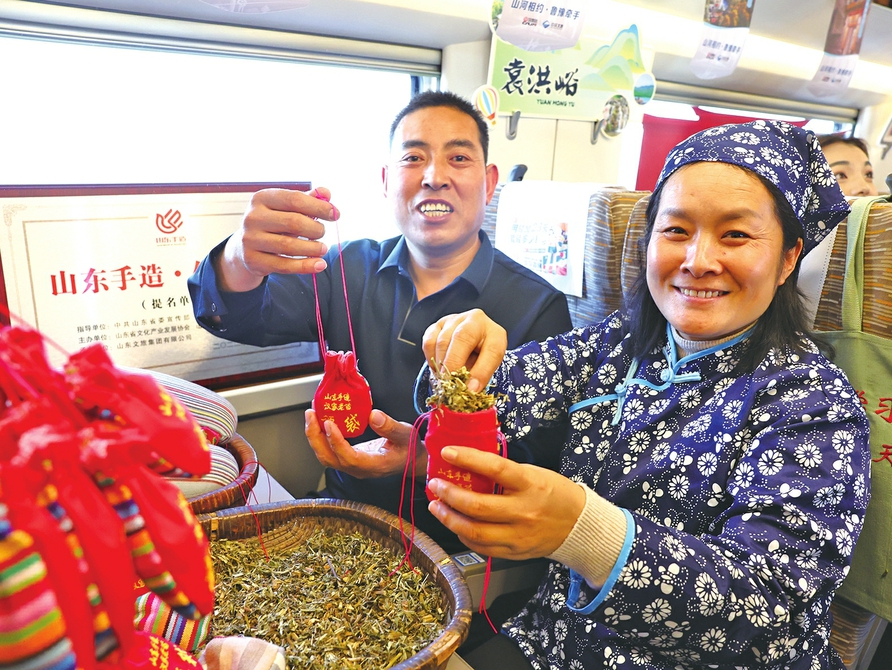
(104, 639)
(153, 616)
(633, 245)
(216, 415)
(146, 560)
(33, 635)
(224, 470)
(877, 314)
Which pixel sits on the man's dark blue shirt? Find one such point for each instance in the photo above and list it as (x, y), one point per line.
(388, 325)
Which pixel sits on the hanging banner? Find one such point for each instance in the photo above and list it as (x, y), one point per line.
(537, 26)
(726, 23)
(841, 48)
(570, 83)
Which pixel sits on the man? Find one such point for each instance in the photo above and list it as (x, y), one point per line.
(256, 287)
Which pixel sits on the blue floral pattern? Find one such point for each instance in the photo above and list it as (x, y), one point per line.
(748, 493)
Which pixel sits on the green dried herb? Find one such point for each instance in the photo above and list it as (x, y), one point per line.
(450, 390)
(330, 604)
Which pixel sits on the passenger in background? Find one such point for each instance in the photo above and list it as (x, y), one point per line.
(256, 287)
(850, 161)
(716, 472)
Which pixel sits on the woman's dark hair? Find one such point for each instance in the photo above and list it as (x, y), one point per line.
(783, 323)
(828, 140)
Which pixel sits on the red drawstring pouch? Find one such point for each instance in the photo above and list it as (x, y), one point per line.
(62, 571)
(478, 430)
(343, 396)
(138, 401)
(57, 451)
(28, 370)
(151, 652)
(18, 419)
(169, 549)
(105, 641)
(34, 630)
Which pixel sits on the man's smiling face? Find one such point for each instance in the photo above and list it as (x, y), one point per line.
(437, 181)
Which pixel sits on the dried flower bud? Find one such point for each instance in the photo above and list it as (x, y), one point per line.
(450, 390)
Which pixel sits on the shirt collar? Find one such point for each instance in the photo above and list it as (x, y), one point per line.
(477, 273)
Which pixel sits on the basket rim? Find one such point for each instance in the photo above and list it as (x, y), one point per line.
(437, 652)
(235, 492)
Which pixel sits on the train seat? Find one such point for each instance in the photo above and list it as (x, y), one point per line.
(608, 214)
(877, 306)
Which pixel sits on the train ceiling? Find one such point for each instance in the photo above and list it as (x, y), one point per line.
(438, 23)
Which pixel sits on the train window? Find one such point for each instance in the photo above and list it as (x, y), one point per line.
(666, 123)
(86, 114)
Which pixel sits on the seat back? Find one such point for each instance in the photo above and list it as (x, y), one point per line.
(632, 259)
(877, 310)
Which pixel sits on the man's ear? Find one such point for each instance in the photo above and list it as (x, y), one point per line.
(492, 179)
(384, 175)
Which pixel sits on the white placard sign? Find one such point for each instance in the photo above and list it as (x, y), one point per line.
(542, 225)
(112, 268)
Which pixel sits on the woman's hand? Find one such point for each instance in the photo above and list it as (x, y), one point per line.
(471, 339)
(531, 517)
(375, 458)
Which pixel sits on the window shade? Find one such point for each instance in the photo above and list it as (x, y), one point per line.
(88, 26)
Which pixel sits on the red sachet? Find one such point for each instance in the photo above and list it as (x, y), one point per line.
(97, 526)
(61, 566)
(478, 430)
(18, 419)
(168, 546)
(151, 652)
(29, 372)
(137, 400)
(35, 634)
(343, 396)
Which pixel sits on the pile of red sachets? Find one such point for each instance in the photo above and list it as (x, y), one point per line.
(84, 514)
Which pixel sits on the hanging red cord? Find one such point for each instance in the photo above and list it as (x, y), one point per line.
(343, 396)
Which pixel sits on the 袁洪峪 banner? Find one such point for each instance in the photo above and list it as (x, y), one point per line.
(569, 83)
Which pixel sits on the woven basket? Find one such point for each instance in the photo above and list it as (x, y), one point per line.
(287, 524)
(235, 493)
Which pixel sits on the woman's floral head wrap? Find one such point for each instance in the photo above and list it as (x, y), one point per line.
(786, 155)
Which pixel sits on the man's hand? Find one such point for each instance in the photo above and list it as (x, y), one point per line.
(471, 339)
(279, 233)
(375, 458)
(532, 516)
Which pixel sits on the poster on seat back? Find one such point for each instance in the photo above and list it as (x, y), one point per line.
(108, 265)
(542, 225)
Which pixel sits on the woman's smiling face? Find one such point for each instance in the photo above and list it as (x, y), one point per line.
(715, 256)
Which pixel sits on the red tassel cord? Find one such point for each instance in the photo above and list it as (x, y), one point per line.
(343, 396)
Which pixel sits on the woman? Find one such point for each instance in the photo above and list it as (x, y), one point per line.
(850, 162)
(715, 473)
